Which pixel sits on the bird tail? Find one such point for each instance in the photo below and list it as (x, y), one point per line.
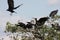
(13, 12)
(18, 6)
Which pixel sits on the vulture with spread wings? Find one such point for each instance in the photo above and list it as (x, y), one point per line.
(41, 21)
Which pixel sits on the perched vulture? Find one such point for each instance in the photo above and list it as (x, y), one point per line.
(53, 13)
(41, 21)
(11, 6)
(29, 25)
(21, 24)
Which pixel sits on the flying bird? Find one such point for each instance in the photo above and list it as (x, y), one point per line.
(53, 13)
(11, 6)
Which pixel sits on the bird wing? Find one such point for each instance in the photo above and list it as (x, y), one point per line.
(43, 19)
(53, 13)
(11, 4)
(18, 6)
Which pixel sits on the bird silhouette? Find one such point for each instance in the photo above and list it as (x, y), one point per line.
(21, 24)
(41, 21)
(11, 6)
(29, 25)
(25, 26)
(53, 13)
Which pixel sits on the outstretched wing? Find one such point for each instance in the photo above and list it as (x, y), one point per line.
(53, 13)
(11, 4)
(18, 6)
(43, 19)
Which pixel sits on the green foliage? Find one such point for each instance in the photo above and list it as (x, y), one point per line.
(10, 27)
(42, 32)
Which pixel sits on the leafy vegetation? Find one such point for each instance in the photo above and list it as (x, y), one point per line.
(43, 32)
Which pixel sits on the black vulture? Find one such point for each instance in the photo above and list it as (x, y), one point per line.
(21, 24)
(41, 21)
(53, 13)
(11, 6)
(25, 26)
(29, 25)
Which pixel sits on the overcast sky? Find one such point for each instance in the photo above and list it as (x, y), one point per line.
(29, 10)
